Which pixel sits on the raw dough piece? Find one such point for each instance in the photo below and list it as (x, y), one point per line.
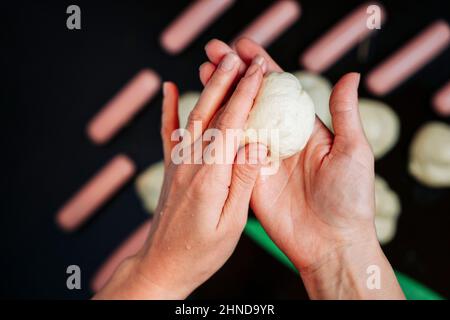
(387, 202)
(430, 155)
(381, 125)
(319, 89)
(282, 105)
(186, 103)
(148, 185)
(386, 229)
(387, 207)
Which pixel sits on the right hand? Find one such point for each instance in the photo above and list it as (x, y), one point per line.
(320, 205)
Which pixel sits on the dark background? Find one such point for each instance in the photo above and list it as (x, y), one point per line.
(57, 79)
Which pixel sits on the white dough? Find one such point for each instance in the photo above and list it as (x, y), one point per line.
(387, 202)
(386, 229)
(186, 103)
(381, 125)
(319, 89)
(148, 185)
(281, 104)
(430, 155)
(387, 210)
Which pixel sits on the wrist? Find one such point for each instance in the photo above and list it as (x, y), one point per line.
(161, 282)
(347, 272)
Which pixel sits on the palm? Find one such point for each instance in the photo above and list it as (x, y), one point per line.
(304, 206)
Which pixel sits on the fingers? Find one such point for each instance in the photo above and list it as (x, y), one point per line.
(206, 70)
(215, 51)
(245, 173)
(344, 111)
(214, 94)
(248, 49)
(236, 111)
(245, 48)
(169, 118)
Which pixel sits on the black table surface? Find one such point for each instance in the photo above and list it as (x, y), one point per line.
(57, 79)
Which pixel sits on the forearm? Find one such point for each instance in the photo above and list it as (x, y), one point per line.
(359, 271)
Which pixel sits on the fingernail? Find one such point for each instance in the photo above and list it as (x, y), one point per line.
(228, 62)
(259, 60)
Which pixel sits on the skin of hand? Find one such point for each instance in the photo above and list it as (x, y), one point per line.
(203, 208)
(319, 207)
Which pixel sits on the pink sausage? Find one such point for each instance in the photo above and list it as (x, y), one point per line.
(409, 59)
(272, 23)
(186, 27)
(441, 100)
(340, 39)
(123, 106)
(96, 192)
(128, 248)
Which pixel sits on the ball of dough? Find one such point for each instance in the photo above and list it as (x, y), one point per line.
(381, 125)
(386, 229)
(186, 104)
(430, 155)
(387, 210)
(387, 202)
(282, 105)
(148, 186)
(319, 89)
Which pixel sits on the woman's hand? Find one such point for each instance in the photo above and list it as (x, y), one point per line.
(319, 207)
(203, 208)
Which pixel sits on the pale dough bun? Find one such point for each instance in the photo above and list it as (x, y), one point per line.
(387, 210)
(386, 229)
(387, 202)
(319, 89)
(430, 155)
(281, 104)
(148, 186)
(186, 104)
(381, 125)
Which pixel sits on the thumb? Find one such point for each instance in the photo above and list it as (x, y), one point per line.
(245, 173)
(344, 111)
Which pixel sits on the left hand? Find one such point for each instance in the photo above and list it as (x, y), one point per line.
(203, 207)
